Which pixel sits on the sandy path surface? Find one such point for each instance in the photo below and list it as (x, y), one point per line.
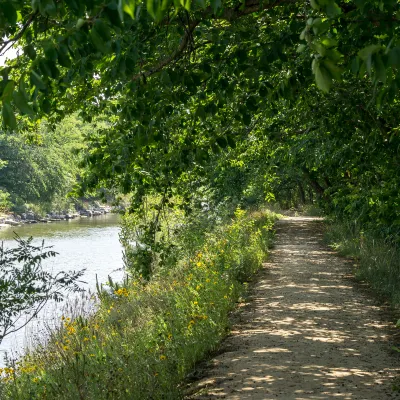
(306, 331)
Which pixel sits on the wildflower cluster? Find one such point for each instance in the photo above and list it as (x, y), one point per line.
(122, 292)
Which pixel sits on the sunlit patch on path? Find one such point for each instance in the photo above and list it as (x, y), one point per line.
(306, 332)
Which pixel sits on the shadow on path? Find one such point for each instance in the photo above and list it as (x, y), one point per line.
(306, 332)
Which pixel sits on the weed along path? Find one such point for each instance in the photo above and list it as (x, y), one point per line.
(306, 332)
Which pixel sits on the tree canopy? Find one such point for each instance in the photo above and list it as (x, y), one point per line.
(242, 98)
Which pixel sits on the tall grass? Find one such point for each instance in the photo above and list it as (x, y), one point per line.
(146, 336)
(377, 260)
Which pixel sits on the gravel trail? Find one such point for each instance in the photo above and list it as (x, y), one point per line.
(307, 331)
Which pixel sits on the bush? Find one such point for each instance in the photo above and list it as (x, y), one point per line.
(5, 202)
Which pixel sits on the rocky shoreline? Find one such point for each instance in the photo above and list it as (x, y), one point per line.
(32, 218)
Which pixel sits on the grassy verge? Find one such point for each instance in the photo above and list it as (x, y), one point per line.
(377, 260)
(146, 337)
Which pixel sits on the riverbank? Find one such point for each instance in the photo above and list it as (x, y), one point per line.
(7, 220)
(146, 336)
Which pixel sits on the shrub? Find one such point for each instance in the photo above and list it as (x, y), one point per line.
(5, 202)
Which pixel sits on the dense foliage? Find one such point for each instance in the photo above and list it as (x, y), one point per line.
(40, 169)
(283, 99)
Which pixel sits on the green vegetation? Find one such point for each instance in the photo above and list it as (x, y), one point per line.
(146, 336)
(284, 100)
(377, 261)
(209, 105)
(40, 170)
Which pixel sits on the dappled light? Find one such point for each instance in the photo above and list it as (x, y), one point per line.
(306, 332)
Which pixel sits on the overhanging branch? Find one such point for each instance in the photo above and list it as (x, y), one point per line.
(228, 14)
(8, 43)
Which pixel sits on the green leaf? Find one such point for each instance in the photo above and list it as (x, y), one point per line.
(98, 41)
(329, 42)
(127, 6)
(45, 68)
(35, 5)
(103, 29)
(37, 81)
(47, 8)
(380, 69)
(319, 48)
(363, 69)
(303, 33)
(394, 57)
(8, 116)
(9, 12)
(314, 4)
(80, 23)
(319, 27)
(49, 50)
(323, 78)
(333, 55)
(367, 52)
(301, 48)
(355, 65)
(333, 10)
(185, 4)
(22, 87)
(334, 70)
(8, 91)
(30, 51)
(63, 57)
(21, 102)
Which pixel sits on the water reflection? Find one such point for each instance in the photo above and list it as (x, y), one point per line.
(85, 243)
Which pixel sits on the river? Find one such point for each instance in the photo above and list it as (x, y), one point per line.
(83, 243)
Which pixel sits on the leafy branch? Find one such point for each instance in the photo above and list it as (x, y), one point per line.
(25, 287)
(227, 14)
(7, 43)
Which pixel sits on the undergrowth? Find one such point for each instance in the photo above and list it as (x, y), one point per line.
(377, 260)
(147, 335)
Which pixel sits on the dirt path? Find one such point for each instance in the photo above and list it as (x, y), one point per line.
(306, 333)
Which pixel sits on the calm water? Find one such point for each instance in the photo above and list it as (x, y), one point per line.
(84, 243)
